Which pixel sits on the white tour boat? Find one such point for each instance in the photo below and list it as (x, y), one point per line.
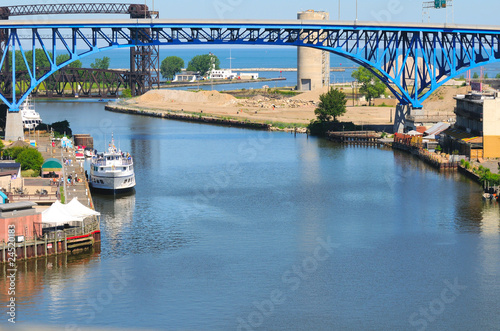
(112, 171)
(31, 118)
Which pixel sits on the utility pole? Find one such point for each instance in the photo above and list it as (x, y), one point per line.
(353, 96)
(212, 65)
(356, 10)
(339, 10)
(230, 58)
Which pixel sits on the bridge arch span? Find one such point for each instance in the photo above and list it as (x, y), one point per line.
(413, 60)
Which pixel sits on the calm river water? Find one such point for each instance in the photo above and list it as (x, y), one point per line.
(233, 229)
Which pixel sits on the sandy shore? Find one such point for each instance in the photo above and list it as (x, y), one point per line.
(261, 108)
(298, 109)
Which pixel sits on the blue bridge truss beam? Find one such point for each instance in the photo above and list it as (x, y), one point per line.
(413, 61)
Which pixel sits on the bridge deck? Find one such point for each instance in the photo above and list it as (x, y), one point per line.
(276, 23)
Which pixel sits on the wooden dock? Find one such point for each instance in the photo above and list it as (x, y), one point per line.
(370, 138)
(413, 145)
(55, 242)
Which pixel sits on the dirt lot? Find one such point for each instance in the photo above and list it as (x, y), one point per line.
(263, 106)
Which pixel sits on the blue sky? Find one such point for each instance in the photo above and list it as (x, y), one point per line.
(483, 12)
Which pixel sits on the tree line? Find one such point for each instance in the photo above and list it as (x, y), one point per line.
(201, 64)
(43, 62)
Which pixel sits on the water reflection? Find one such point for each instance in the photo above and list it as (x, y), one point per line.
(200, 263)
(490, 218)
(47, 274)
(117, 215)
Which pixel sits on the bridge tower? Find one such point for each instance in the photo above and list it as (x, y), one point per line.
(313, 66)
(144, 60)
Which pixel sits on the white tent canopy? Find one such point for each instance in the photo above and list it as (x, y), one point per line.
(76, 209)
(59, 214)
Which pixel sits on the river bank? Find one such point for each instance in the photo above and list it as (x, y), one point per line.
(280, 109)
(189, 117)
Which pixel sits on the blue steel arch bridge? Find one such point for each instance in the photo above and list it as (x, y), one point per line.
(143, 75)
(412, 59)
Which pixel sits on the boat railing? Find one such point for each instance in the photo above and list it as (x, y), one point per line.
(102, 162)
(33, 197)
(88, 226)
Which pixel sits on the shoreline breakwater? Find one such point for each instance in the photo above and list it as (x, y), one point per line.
(204, 118)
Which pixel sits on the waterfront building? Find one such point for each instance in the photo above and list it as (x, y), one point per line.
(187, 76)
(10, 170)
(476, 132)
(23, 218)
(249, 75)
(223, 74)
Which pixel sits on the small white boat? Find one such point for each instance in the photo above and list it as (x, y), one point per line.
(79, 154)
(31, 119)
(112, 171)
(89, 152)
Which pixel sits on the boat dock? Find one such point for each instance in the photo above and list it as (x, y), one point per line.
(39, 243)
(414, 145)
(355, 137)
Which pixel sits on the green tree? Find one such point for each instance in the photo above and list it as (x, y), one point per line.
(486, 76)
(101, 63)
(332, 105)
(13, 152)
(203, 63)
(475, 76)
(127, 93)
(41, 60)
(170, 66)
(497, 76)
(62, 128)
(65, 57)
(371, 86)
(30, 159)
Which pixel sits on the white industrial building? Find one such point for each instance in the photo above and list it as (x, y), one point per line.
(223, 74)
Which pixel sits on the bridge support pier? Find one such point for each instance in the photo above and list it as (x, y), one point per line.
(14, 129)
(402, 112)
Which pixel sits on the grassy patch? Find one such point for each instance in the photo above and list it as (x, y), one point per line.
(285, 93)
(285, 125)
(29, 173)
(61, 191)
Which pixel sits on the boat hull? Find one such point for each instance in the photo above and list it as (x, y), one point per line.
(112, 183)
(125, 191)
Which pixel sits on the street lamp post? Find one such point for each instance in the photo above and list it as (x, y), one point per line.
(212, 68)
(353, 96)
(356, 10)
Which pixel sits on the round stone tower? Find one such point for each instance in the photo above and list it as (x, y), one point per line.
(313, 65)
